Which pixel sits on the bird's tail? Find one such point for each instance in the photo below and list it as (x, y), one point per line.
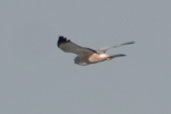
(114, 56)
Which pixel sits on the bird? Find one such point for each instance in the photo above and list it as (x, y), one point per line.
(86, 56)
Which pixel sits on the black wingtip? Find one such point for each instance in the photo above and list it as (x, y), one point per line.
(131, 42)
(62, 40)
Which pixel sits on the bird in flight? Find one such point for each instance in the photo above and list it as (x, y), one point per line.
(86, 56)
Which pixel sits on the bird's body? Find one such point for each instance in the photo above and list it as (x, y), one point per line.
(85, 56)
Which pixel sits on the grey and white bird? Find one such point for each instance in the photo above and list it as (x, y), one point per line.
(86, 56)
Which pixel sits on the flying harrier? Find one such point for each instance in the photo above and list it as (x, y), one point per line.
(86, 56)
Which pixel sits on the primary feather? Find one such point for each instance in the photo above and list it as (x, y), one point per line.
(68, 46)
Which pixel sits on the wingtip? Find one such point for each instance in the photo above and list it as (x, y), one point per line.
(131, 42)
(62, 40)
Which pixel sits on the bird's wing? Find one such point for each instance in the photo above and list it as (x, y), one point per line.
(115, 46)
(68, 46)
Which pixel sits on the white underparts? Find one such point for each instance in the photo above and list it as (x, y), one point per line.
(103, 55)
(98, 57)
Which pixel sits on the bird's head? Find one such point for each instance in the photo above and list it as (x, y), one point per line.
(78, 62)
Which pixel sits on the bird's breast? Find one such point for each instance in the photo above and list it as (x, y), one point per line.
(97, 57)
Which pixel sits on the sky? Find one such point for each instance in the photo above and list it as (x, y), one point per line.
(36, 77)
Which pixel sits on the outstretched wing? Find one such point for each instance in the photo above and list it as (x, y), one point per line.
(68, 46)
(115, 46)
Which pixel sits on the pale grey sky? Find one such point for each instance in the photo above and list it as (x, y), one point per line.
(38, 78)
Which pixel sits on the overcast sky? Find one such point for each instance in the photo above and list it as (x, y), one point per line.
(38, 78)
